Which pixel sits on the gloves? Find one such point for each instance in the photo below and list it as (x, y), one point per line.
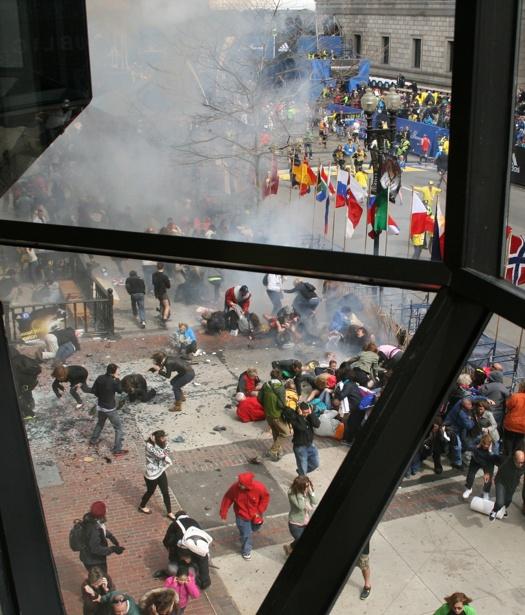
(117, 549)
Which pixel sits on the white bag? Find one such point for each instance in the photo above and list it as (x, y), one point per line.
(485, 507)
(193, 538)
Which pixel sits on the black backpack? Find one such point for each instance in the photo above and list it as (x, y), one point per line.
(265, 280)
(77, 535)
(308, 291)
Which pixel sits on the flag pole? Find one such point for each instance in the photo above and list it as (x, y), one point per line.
(333, 219)
(314, 201)
(387, 225)
(410, 223)
(367, 208)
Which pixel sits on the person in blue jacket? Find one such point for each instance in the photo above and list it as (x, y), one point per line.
(458, 422)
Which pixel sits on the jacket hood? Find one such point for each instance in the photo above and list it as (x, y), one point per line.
(246, 479)
(495, 376)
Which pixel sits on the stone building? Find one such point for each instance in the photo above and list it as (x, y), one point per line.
(412, 37)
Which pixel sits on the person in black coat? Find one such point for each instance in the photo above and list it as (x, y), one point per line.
(137, 291)
(136, 387)
(95, 548)
(25, 372)
(303, 423)
(76, 375)
(165, 365)
(507, 479)
(179, 555)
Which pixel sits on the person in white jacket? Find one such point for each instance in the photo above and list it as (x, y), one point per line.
(157, 462)
(274, 290)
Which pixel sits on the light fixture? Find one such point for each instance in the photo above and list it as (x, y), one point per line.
(369, 101)
(393, 100)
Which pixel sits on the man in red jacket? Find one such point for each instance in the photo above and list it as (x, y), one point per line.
(250, 499)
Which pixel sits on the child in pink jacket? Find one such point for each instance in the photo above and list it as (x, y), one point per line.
(184, 584)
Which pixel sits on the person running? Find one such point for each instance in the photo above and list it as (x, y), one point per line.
(303, 423)
(76, 375)
(96, 537)
(157, 462)
(165, 365)
(161, 284)
(302, 501)
(105, 387)
(457, 603)
(250, 499)
(137, 291)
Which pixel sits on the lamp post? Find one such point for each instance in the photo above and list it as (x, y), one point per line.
(274, 34)
(383, 138)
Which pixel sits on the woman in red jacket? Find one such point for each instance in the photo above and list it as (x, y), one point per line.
(250, 500)
(514, 421)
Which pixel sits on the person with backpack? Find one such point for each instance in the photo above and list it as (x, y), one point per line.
(76, 375)
(157, 462)
(307, 300)
(91, 538)
(165, 365)
(274, 290)
(178, 555)
(105, 387)
(272, 398)
(250, 499)
(303, 424)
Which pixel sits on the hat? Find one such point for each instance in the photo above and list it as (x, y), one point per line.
(98, 509)
(246, 479)
(430, 182)
(243, 290)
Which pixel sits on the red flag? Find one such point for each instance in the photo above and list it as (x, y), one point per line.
(515, 270)
(274, 177)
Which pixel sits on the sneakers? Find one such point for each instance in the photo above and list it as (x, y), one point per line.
(457, 466)
(79, 406)
(505, 514)
(142, 325)
(177, 407)
(492, 516)
(486, 496)
(466, 494)
(365, 592)
(120, 453)
(247, 556)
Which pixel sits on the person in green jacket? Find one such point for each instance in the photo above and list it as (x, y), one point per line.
(302, 501)
(120, 603)
(457, 603)
(272, 400)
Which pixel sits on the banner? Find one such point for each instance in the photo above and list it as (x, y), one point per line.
(517, 168)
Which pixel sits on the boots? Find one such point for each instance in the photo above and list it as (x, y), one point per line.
(177, 407)
(182, 396)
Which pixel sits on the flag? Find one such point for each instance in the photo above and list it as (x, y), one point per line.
(342, 188)
(515, 269)
(357, 190)
(438, 241)
(305, 177)
(326, 212)
(354, 211)
(323, 183)
(274, 177)
(393, 227)
(381, 211)
(420, 219)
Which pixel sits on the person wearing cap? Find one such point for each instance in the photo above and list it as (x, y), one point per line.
(95, 548)
(121, 603)
(250, 500)
(428, 193)
(137, 291)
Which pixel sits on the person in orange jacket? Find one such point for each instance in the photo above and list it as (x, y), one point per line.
(250, 500)
(514, 422)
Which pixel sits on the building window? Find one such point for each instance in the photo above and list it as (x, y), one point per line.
(450, 55)
(386, 49)
(416, 52)
(357, 45)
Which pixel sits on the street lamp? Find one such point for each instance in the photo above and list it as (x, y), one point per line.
(383, 137)
(274, 34)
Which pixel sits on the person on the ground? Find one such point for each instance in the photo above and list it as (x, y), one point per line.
(495, 390)
(97, 584)
(303, 423)
(302, 501)
(76, 376)
(157, 462)
(272, 398)
(236, 305)
(161, 285)
(507, 479)
(389, 356)
(121, 603)
(165, 365)
(482, 459)
(366, 365)
(160, 601)
(249, 383)
(457, 603)
(104, 388)
(274, 290)
(185, 340)
(180, 556)
(136, 388)
(137, 291)
(183, 583)
(514, 421)
(59, 345)
(96, 537)
(250, 499)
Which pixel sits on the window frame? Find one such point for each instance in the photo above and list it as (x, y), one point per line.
(385, 49)
(417, 52)
(470, 290)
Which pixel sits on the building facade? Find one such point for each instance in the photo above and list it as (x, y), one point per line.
(412, 37)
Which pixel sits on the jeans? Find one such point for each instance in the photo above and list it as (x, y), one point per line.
(178, 382)
(472, 471)
(151, 484)
(65, 351)
(137, 306)
(246, 528)
(275, 298)
(114, 419)
(503, 497)
(74, 391)
(307, 458)
(455, 449)
(296, 531)
(147, 272)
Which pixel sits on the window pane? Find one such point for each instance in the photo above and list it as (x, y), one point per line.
(209, 443)
(416, 42)
(241, 140)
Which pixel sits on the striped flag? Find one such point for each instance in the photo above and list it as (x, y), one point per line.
(342, 188)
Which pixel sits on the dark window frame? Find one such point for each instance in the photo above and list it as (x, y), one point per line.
(358, 44)
(385, 50)
(470, 290)
(450, 55)
(417, 52)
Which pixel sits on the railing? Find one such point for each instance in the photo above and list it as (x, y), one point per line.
(94, 316)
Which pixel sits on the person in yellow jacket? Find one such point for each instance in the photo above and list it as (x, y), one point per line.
(428, 193)
(443, 142)
(362, 179)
